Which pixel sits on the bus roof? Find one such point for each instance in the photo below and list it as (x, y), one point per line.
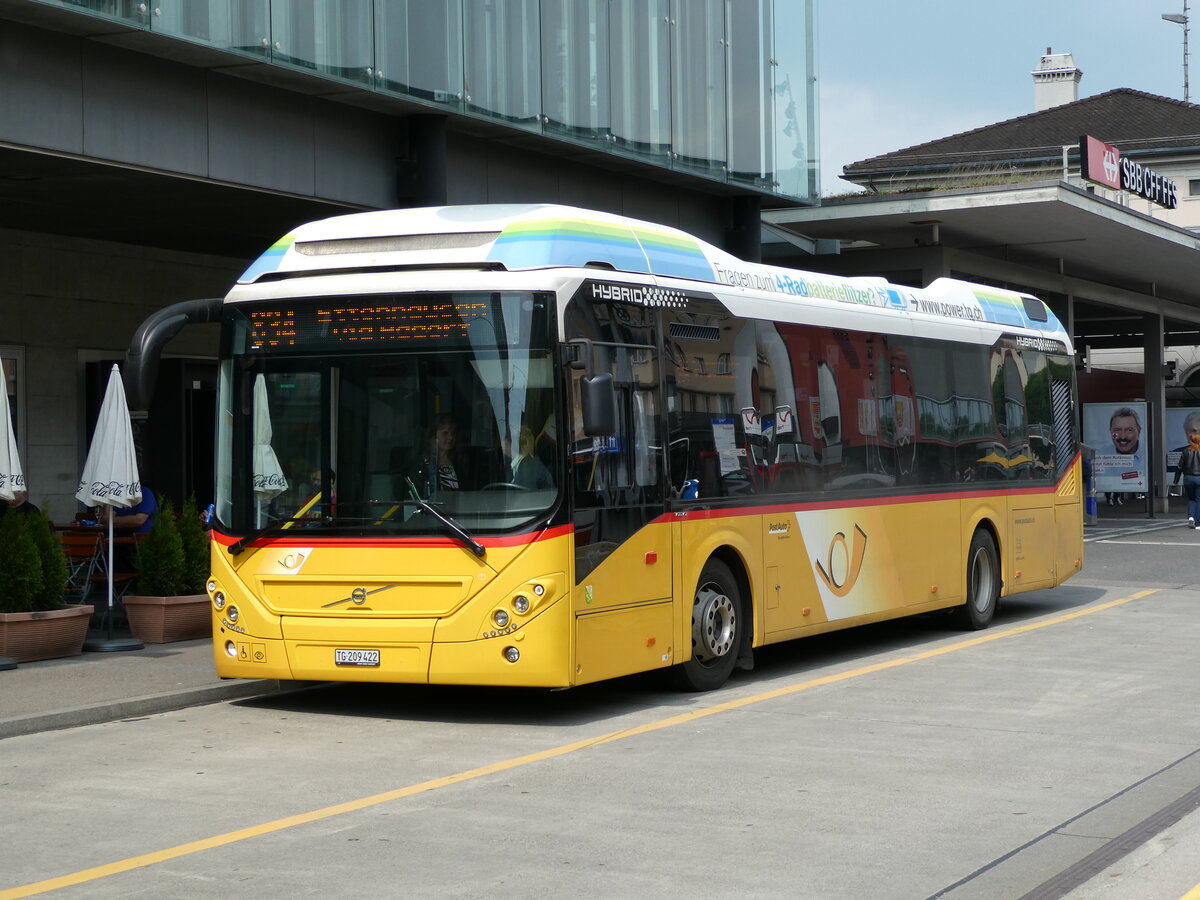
(517, 237)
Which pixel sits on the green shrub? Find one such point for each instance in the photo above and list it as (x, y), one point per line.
(20, 565)
(54, 562)
(160, 556)
(195, 539)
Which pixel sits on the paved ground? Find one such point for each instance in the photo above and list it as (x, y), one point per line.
(101, 687)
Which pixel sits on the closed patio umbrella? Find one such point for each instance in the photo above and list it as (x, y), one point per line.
(269, 480)
(12, 479)
(110, 478)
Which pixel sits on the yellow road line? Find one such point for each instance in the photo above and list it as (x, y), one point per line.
(1193, 894)
(241, 834)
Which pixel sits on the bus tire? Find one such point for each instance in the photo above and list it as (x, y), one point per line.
(983, 583)
(717, 624)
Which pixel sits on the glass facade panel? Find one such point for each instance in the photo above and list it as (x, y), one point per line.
(796, 160)
(132, 11)
(575, 57)
(698, 84)
(500, 39)
(419, 49)
(723, 88)
(332, 37)
(751, 82)
(243, 26)
(640, 64)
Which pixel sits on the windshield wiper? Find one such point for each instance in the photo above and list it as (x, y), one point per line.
(457, 530)
(302, 516)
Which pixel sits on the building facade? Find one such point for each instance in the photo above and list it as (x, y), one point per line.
(149, 151)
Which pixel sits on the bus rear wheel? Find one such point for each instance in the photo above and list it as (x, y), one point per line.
(983, 583)
(717, 624)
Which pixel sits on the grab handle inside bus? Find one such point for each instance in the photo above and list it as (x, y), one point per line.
(597, 395)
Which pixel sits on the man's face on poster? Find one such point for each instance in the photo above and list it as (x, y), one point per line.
(1125, 433)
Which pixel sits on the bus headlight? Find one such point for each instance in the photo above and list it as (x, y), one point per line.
(231, 649)
(521, 604)
(500, 617)
(539, 590)
(512, 654)
(212, 586)
(219, 600)
(232, 614)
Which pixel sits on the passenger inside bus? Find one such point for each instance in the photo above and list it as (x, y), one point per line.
(528, 471)
(443, 463)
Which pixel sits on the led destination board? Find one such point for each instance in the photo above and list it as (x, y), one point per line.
(313, 325)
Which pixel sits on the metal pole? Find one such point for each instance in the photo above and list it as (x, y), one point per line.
(1182, 19)
(1185, 52)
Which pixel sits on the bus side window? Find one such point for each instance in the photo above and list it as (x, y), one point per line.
(625, 467)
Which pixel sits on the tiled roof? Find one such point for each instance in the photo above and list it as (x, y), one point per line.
(1132, 120)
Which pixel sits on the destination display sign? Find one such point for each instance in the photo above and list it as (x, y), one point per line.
(318, 325)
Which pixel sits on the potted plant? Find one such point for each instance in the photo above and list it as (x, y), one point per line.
(170, 603)
(35, 623)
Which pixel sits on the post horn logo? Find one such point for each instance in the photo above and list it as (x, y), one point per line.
(853, 558)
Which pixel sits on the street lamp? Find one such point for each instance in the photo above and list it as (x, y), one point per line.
(1182, 19)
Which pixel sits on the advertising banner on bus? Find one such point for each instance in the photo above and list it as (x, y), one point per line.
(1117, 433)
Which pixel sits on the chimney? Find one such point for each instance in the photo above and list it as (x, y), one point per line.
(1055, 81)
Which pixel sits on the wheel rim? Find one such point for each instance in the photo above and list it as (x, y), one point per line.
(714, 624)
(982, 579)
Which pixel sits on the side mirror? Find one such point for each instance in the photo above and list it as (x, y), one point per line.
(599, 400)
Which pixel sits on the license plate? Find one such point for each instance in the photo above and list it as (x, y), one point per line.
(356, 657)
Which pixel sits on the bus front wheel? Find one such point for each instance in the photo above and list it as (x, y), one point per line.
(983, 583)
(717, 624)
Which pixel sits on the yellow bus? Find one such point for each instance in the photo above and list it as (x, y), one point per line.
(536, 445)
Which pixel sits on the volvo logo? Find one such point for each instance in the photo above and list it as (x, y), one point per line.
(358, 596)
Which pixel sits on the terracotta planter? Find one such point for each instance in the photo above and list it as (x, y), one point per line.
(160, 620)
(47, 634)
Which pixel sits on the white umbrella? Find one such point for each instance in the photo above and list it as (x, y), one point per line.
(110, 475)
(12, 480)
(269, 480)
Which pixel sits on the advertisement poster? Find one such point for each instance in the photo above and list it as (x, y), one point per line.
(1117, 432)
(1179, 423)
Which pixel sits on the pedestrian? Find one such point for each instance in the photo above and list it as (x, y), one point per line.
(1189, 470)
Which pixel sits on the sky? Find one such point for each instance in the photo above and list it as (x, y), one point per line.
(895, 73)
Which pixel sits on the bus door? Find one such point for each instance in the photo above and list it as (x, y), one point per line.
(623, 550)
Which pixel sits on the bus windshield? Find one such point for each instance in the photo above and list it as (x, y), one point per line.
(399, 414)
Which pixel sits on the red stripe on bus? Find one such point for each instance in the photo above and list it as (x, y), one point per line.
(835, 503)
(298, 540)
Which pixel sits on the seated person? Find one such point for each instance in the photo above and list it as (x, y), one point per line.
(18, 504)
(527, 470)
(136, 519)
(443, 463)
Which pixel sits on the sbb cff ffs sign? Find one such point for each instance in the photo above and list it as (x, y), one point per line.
(1102, 163)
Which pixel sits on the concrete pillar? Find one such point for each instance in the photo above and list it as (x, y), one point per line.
(743, 237)
(1156, 398)
(421, 175)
